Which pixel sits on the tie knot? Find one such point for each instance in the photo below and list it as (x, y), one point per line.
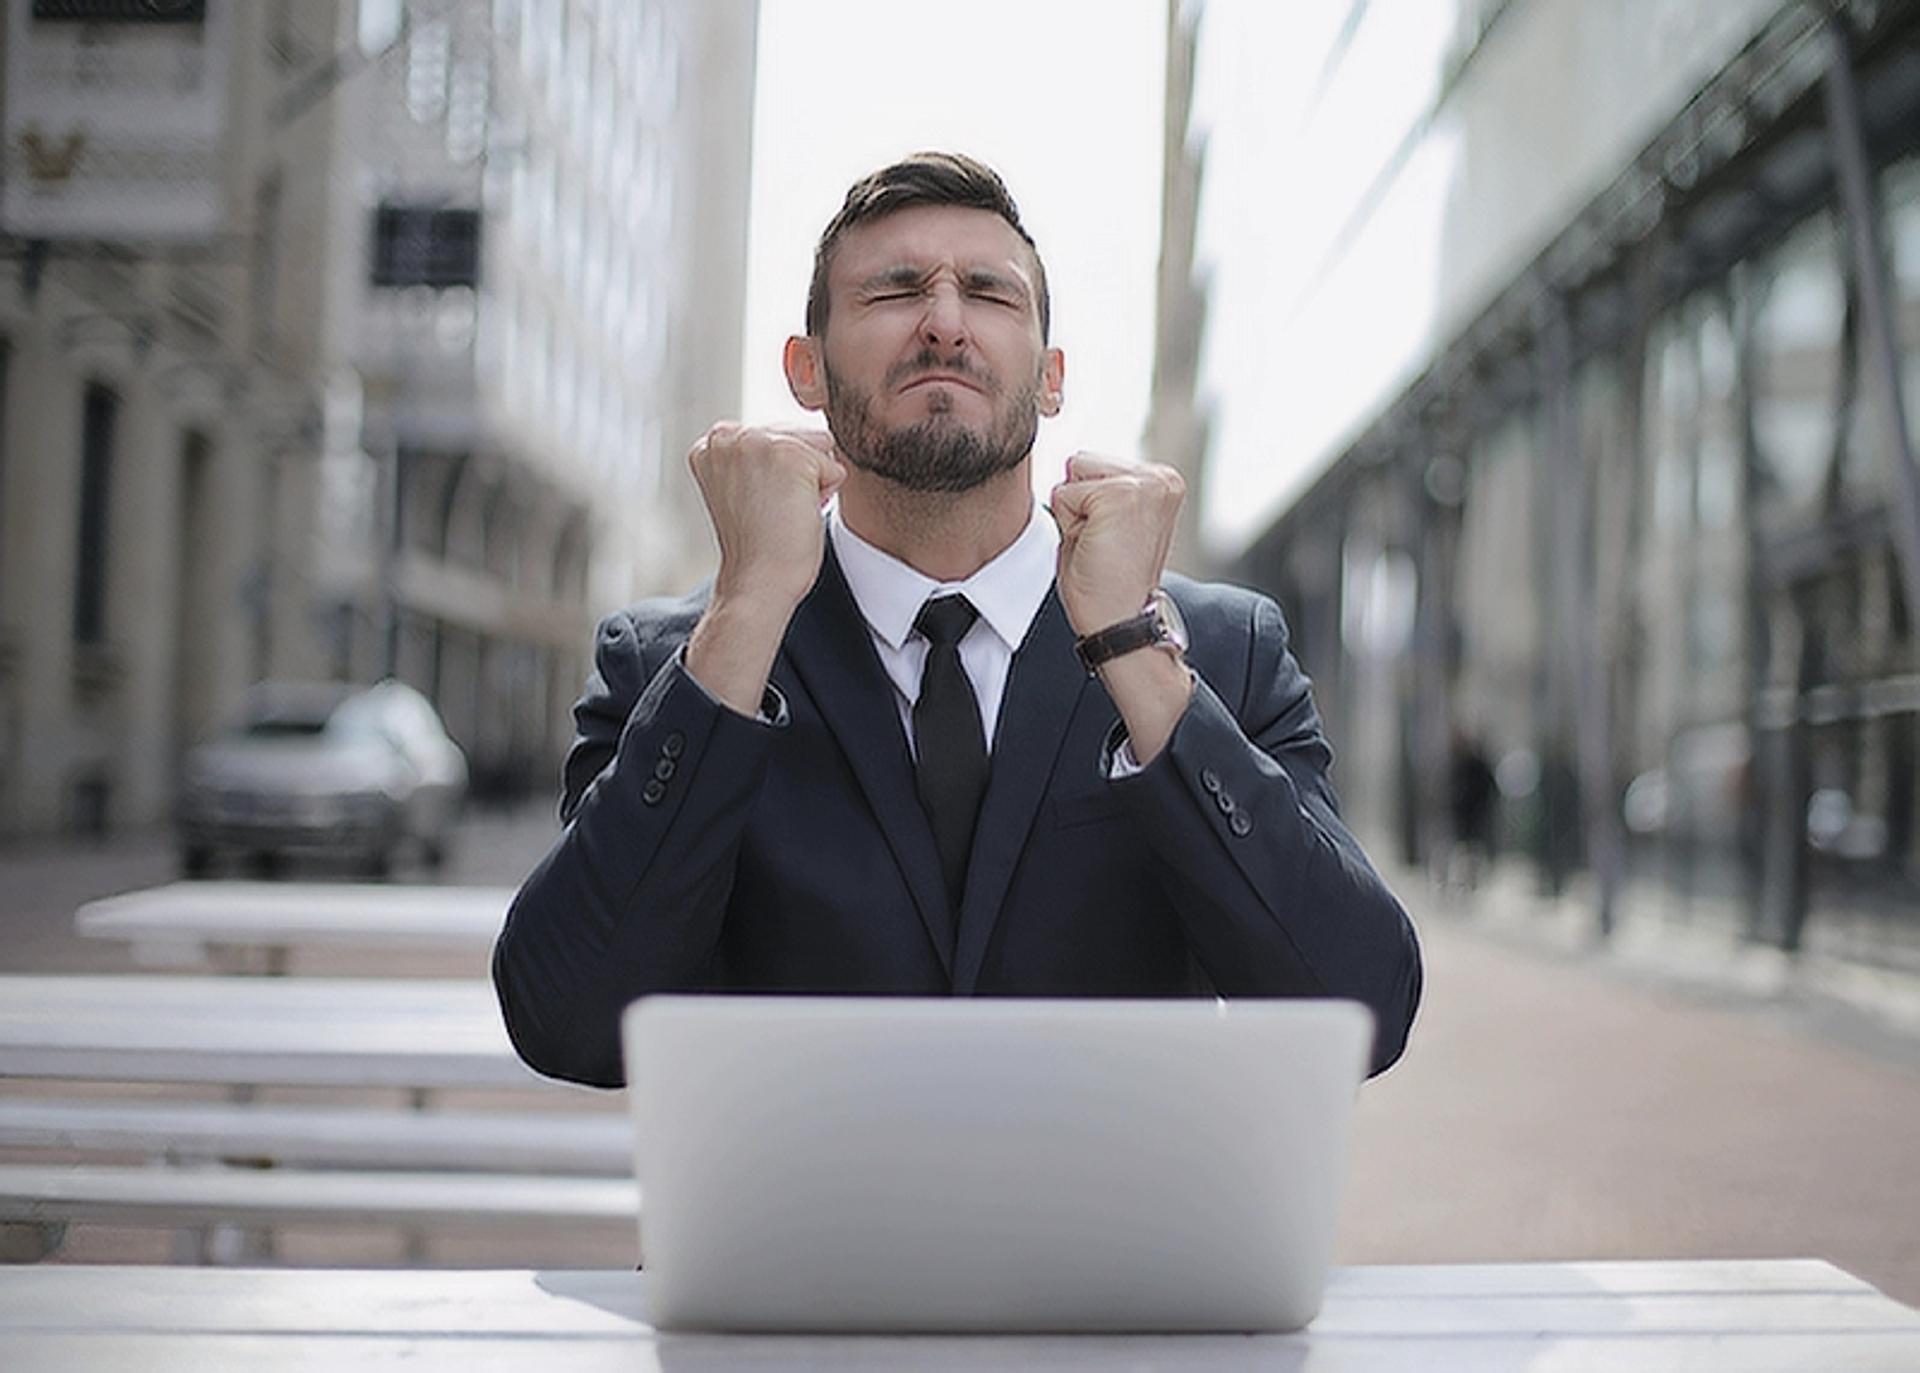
(946, 619)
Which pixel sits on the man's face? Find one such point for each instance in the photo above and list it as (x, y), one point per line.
(932, 369)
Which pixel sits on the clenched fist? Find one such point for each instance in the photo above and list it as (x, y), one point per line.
(1116, 528)
(763, 488)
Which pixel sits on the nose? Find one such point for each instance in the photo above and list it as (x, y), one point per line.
(945, 323)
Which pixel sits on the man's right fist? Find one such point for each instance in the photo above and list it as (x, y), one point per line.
(764, 488)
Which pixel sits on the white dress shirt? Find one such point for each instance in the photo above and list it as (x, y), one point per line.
(1007, 592)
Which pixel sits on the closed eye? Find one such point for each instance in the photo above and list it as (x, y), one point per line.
(995, 289)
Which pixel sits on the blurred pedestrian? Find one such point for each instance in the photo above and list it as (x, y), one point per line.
(1472, 797)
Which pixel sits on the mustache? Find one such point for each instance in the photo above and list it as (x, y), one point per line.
(927, 361)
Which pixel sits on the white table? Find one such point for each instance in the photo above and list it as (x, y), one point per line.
(191, 921)
(352, 1032)
(1796, 1315)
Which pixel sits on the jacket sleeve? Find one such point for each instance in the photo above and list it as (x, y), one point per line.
(631, 899)
(1276, 894)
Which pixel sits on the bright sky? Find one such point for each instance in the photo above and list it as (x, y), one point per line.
(1310, 317)
(1063, 97)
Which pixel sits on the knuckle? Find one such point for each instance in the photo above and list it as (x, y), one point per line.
(791, 458)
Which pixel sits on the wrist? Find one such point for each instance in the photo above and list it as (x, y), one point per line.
(731, 650)
(752, 614)
(1151, 691)
(755, 596)
(1158, 625)
(1091, 617)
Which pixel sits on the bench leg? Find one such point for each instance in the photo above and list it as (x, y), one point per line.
(190, 1245)
(238, 1245)
(225, 1242)
(30, 1241)
(418, 1099)
(222, 1243)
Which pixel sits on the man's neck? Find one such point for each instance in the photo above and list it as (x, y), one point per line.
(945, 535)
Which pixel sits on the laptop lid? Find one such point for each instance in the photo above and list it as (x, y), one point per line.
(899, 1164)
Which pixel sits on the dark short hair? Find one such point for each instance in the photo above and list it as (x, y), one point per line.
(921, 179)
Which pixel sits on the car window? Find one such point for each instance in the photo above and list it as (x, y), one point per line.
(281, 727)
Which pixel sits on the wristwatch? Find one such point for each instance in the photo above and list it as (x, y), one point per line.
(1159, 625)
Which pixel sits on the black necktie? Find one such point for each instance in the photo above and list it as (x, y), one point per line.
(952, 766)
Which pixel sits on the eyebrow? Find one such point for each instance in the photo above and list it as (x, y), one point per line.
(894, 278)
(972, 278)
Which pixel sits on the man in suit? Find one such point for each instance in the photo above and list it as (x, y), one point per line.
(942, 741)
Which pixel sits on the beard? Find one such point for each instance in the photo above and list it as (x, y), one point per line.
(938, 453)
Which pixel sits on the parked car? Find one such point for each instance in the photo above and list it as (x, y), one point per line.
(324, 770)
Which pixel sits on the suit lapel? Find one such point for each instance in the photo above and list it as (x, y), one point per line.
(831, 650)
(1044, 686)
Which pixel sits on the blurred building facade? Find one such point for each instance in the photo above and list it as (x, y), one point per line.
(397, 386)
(1555, 364)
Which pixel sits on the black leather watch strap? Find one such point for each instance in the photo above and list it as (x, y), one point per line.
(1142, 631)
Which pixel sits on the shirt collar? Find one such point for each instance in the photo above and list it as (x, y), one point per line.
(1007, 591)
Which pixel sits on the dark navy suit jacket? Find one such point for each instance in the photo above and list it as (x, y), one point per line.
(705, 850)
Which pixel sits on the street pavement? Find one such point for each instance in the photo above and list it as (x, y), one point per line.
(1671, 1096)
(1560, 1102)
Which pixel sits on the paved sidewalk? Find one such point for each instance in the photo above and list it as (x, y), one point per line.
(1605, 1106)
(1698, 950)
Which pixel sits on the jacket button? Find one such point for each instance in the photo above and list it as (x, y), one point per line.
(663, 770)
(674, 744)
(1241, 824)
(653, 791)
(1210, 780)
(1225, 802)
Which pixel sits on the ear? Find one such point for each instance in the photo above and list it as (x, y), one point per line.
(806, 371)
(1053, 380)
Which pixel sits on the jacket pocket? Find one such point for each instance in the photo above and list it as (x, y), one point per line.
(1086, 808)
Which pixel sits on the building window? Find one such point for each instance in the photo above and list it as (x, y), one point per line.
(6, 357)
(121, 11)
(467, 108)
(1798, 296)
(429, 49)
(265, 277)
(413, 246)
(1902, 199)
(101, 408)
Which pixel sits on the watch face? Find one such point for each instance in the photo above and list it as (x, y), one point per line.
(1171, 620)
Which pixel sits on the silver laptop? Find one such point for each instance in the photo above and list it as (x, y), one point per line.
(972, 1165)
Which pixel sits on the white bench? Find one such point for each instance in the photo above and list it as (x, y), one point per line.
(188, 922)
(337, 1164)
(430, 1033)
(48, 1197)
(244, 1033)
(1782, 1315)
(570, 1142)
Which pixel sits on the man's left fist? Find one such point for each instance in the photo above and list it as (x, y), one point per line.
(1116, 526)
